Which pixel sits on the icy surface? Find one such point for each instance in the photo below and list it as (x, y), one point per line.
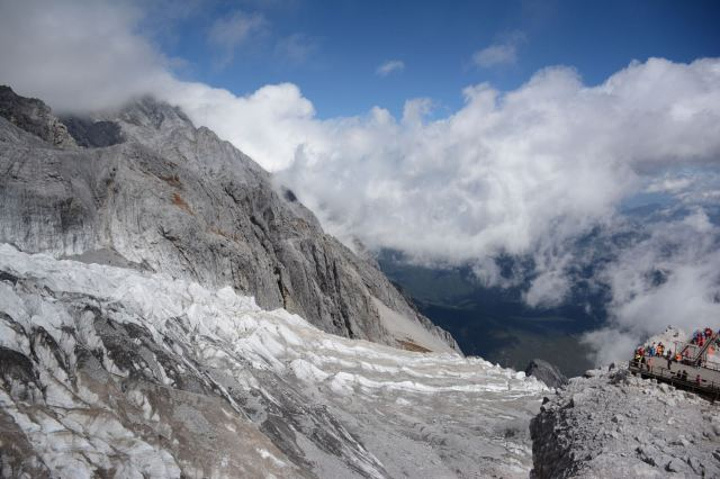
(107, 370)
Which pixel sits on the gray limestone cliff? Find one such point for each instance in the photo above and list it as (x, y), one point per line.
(144, 188)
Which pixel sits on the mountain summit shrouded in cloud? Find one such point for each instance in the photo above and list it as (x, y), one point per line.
(528, 170)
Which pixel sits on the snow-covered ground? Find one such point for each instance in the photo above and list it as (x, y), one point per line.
(111, 370)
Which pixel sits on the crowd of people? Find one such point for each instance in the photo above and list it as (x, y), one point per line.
(699, 337)
(646, 356)
(656, 350)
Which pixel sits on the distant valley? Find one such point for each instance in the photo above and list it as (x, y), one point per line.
(495, 323)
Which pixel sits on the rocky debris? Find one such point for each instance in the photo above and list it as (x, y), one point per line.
(113, 372)
(547, 373)
(613, 424)
(33, 116)
(176, 199)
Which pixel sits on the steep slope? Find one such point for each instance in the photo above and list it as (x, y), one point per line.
(153, 192)
(110, 372)
(613, 424)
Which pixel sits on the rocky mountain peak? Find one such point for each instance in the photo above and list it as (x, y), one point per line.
(149, 112)
(158, 193)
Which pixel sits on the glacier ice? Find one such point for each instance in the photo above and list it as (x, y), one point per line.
(137, 374)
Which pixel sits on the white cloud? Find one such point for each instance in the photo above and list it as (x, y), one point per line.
(270, 125)
(296, 48)
(501, 53)
(389, 67)
(669, 184)
(507, 171)
(495, 55)
(670, 278)
(77, 55)
(231, 31)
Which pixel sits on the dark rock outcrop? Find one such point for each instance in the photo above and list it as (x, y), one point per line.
(547, 373)
(34, 116)
(96, 134)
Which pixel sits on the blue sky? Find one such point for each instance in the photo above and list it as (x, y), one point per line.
(339, 45)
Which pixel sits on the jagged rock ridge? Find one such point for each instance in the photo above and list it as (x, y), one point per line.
(155, 193)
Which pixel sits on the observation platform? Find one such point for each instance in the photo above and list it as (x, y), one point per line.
(696, 372)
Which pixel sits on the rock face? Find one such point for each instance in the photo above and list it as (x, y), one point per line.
(34, 116)
(110, 372)
(613, 424)
(90, 133)
(155, 193)
(547, 373)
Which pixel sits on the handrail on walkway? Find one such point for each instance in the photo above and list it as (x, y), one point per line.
(705, 387)
(705, 347)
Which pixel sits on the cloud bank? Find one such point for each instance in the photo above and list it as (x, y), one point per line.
(525, 172)
(669, 277)
(78, 55)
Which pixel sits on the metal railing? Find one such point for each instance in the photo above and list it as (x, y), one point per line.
(666, 375)
(709, 342)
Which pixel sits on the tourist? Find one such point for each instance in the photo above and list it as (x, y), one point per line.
(636, 358)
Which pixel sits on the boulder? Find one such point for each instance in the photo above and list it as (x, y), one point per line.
(547, 373)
